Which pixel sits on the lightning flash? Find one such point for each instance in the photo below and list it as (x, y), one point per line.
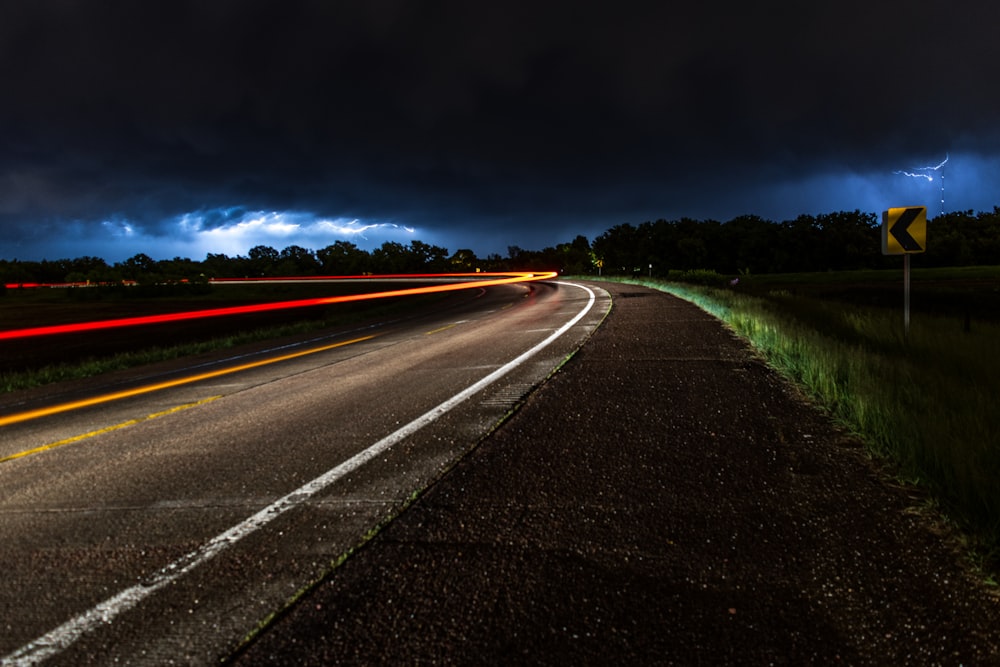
(911, 174)
(939, 167)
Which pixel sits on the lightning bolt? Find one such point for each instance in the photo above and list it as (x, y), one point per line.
(943, 163)
(911, 174)
(915, 174)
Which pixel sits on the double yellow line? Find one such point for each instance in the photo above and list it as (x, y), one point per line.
(138, 391)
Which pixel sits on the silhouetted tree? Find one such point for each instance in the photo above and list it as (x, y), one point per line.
(576, 256)
(463, 261)
(425, 257)
(297, 261)
(223, 266)
(390, 257)
(343, 258)
(620, 249)
(263, 260)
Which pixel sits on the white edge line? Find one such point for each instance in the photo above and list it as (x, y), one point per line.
(104, 613)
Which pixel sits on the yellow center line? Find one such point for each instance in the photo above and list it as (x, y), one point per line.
(444, 328)
(107, 398)
(130, 422)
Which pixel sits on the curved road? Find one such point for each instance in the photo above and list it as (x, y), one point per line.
(664, 499)
(164, 527)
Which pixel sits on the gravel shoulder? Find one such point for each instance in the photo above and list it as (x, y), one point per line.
(664, 498)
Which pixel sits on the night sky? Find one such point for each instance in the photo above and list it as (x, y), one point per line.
(186, 128)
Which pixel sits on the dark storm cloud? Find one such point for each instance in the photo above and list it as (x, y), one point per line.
(473, 116)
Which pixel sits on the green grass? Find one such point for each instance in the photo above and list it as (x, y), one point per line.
(927, 402)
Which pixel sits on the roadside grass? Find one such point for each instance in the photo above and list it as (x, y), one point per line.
(875, 276)
(925, 403)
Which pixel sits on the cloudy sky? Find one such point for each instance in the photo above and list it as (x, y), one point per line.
(187, 127)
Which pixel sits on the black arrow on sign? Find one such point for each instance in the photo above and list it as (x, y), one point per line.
(898, 230)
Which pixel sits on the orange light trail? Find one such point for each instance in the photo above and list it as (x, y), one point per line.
(146, 389)
(284, 305)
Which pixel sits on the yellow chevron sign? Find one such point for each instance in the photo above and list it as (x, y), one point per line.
(904, 230)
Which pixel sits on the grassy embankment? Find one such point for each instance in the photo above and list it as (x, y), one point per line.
(927, 403)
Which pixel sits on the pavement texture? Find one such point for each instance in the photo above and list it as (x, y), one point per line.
(665, 498)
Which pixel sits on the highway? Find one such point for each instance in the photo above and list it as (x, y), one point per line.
(161, 519)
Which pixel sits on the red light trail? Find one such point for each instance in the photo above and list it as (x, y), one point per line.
(78, 327)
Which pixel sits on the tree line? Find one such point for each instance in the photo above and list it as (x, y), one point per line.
(746, 244)
(827, 242)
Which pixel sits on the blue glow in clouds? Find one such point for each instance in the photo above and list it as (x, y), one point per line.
(236, 234)
(973, 186)
(230, 231)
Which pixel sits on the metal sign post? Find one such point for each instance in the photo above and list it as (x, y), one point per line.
(904, 232)
(906, 295)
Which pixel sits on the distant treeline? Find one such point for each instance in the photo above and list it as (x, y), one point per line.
(826, 242)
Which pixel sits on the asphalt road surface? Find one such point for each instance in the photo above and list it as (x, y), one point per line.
(663, 499)
(167, 525)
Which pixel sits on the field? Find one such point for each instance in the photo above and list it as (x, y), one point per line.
(964, 294)
(924, 403)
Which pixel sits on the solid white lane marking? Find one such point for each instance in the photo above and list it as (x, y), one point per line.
(66, 634)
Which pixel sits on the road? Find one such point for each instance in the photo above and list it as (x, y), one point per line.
(664, 499)
(165, 525)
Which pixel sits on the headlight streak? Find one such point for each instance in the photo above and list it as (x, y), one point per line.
(79, 327)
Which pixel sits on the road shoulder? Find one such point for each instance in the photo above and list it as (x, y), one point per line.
(665, 497)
